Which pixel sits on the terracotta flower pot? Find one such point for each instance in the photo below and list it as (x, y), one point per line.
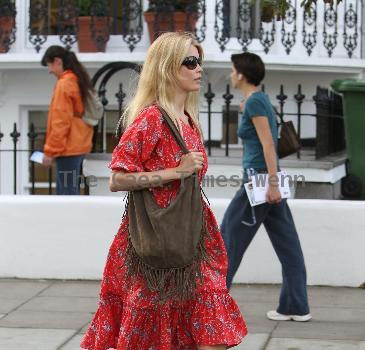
(7, 24)
(179, 21)
(85, 41)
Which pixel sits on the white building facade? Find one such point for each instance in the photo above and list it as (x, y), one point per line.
(307, 50)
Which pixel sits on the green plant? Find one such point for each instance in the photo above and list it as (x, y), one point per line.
(178, 5)
(273, 8)
(93, 7)
(278, 8)
(7, 8)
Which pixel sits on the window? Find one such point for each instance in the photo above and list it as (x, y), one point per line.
(45, 16)
(233, 125)
(112, 118)
(41, 173)
(39, 120)
(244, 16)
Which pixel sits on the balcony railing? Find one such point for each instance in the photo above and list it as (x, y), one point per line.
(63, 18)
(326, 30)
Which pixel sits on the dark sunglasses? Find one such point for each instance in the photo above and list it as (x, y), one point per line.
(192, 62)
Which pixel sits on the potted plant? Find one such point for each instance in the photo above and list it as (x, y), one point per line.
(93, 25)
(7, 24)
(171, 15)
(271, 9)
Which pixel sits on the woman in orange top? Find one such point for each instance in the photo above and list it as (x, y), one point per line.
(68, 137)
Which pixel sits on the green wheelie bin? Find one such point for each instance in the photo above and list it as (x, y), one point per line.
(353, 92)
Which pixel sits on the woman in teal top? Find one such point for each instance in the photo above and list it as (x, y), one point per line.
(258, 106)
(259, 133)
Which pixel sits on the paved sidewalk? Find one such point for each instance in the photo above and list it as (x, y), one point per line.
(53, 315)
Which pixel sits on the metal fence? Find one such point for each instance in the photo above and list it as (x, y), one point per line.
(329, 137)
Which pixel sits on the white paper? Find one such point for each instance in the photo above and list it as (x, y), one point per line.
(37, 157)
(250, 195)
(260, 184)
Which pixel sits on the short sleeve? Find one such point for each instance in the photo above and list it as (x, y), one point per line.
(255, 107)
(138, 142)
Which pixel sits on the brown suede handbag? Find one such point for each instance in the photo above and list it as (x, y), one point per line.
(166, 245)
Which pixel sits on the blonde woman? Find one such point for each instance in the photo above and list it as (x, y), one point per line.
(130, 316)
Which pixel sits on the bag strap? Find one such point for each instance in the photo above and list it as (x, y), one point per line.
(278, 116)
(175, 132)
(177, 136)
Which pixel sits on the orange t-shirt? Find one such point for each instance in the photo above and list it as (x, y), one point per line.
(67, 134)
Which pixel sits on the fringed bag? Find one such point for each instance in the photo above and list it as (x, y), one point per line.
(166, 245)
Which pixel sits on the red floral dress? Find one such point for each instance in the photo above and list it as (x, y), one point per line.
(129, 316)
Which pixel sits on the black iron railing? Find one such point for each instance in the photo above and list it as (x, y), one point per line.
(327, 106)
(100, 81)
(31, 137)
(329, 130)
(329, 137)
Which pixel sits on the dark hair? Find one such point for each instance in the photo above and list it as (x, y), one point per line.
(249, 65)
(70, 61)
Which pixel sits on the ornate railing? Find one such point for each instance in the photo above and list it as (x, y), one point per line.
(62, 18)
(324, 30)
(322, 24)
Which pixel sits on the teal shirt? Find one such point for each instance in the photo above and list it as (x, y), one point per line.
(258, 104)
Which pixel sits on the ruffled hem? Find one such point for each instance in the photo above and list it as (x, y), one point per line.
(211, 318)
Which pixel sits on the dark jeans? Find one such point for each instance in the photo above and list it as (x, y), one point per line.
(68, 171)
(280, 227)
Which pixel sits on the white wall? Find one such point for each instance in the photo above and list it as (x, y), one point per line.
(69, 237)
(220, 181)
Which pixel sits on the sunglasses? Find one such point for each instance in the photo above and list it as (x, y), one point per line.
(192, 62)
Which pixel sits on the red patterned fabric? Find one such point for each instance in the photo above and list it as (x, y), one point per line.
(129, 316)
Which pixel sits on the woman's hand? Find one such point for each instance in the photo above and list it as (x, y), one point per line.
(273, 195)
(190, 163)
(47, 161)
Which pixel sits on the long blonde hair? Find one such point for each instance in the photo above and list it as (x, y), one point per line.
(158, 78)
